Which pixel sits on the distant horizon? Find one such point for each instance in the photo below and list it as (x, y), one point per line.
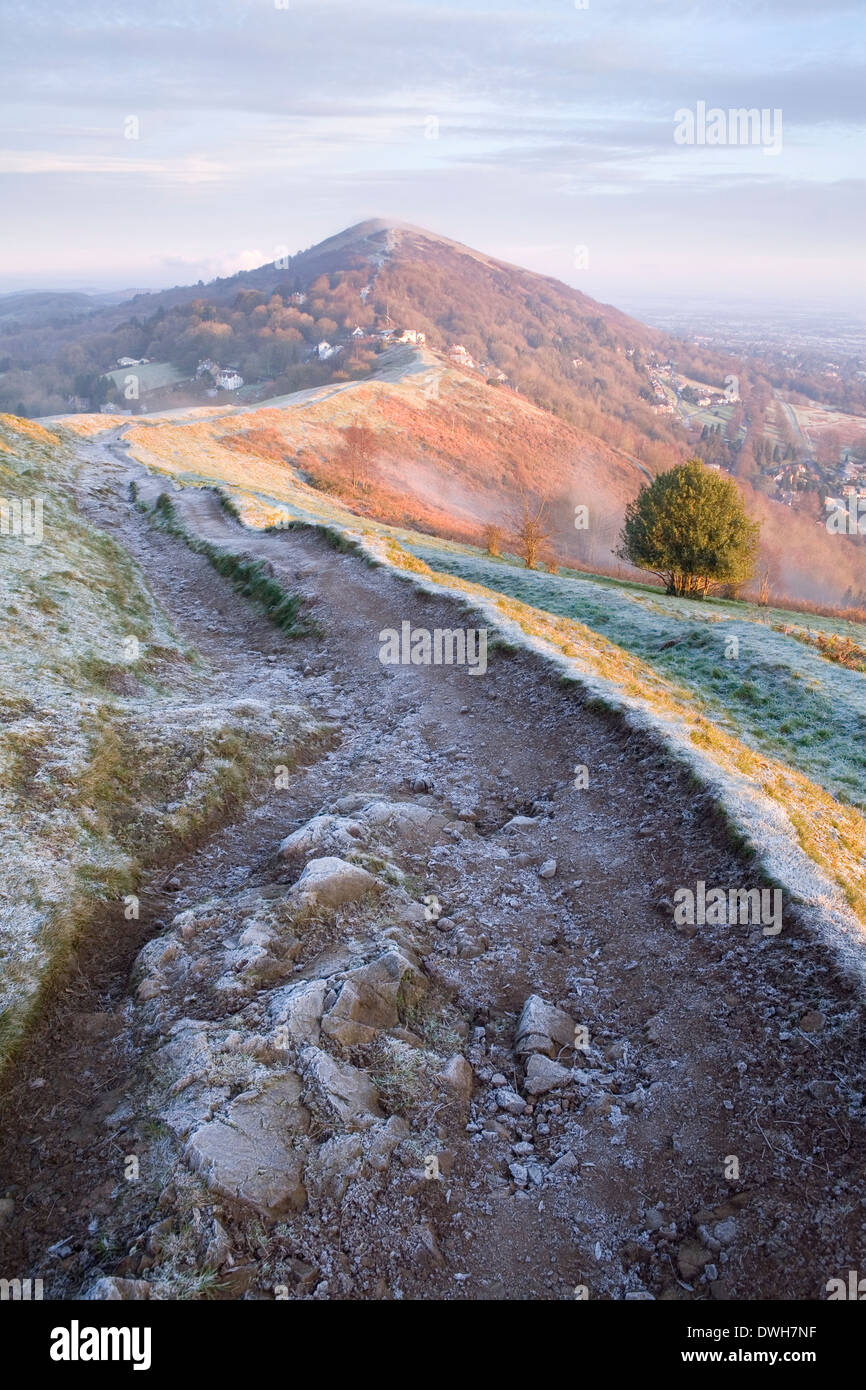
(630, 298)
(697, 151)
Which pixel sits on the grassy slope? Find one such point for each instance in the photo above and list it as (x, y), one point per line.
(109, 762)
(452, 455)
(776, 694)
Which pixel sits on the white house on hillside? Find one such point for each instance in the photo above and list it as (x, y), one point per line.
(458, 354)
(228, 379)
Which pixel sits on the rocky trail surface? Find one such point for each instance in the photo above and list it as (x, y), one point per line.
(419, 1024)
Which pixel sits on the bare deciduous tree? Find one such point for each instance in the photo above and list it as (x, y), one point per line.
(530, 526)
(360, 447)
(764, 590)
(493, 539)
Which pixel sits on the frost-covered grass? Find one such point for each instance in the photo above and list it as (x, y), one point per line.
(768, 688)
(248, 575)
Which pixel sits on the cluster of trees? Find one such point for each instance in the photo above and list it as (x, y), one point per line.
(264, 333)
(689, 527)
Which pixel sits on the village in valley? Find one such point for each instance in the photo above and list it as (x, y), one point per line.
(801, 451)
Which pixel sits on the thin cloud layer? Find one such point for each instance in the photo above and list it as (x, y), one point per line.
(181, 133)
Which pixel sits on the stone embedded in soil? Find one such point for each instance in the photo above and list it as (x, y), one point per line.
(339, 1093)
(368, 817)
(296, 1010)
(323, 835)
(404, 824)
(725, 1231)
(812, 1021)
(219, 1247)
(333, 1166)
(255, 1152)
(381, 1140)
(331, 882)
(458, 1077)
(509, 1101)
(691, 1259)
(543, 1028)
(114, 1289)
(543, 1075)
(190, 1057)
(369, 999)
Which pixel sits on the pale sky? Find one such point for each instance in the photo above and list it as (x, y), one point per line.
(526, 130)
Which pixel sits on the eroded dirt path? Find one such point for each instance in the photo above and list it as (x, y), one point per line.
(709, 1141)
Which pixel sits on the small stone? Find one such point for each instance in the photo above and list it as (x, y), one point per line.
(457, 1075)
(548, 869)
(519, 1174)
(812, 1021)
(691, 1259)
(432, 908)
(156, 1239)
(219, 1247)
(509, 1100)
(543, 1075)
(114, 1289)
(149, 988)
(821, 1090)
(338, 1091)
